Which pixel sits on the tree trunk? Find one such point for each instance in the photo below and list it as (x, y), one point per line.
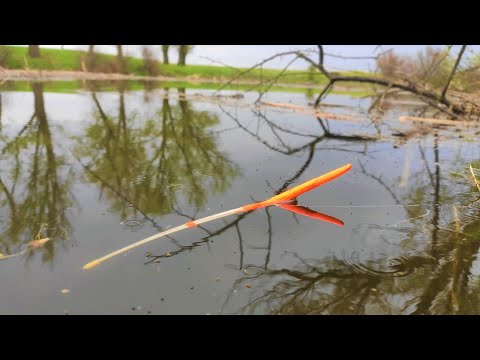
(120, 59)
(90, 59)
(182, 55)
(34, 51)
(165, 54)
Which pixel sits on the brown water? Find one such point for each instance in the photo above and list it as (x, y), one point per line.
(95, 171)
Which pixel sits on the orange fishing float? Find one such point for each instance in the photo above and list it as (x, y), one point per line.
(278, 200)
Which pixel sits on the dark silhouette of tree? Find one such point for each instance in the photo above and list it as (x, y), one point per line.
(183, 51)
(34, 51)
(165, 49)
(90, 58)
(120, 59)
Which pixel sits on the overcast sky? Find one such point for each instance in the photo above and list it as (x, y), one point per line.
(248, 55)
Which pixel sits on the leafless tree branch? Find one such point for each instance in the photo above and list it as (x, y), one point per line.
(454, 69)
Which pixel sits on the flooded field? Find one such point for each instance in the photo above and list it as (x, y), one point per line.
(94, 171)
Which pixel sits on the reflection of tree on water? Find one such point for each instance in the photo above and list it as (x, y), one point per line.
(414, 284)
(0, 112)
(142, 164)
(36, 191)
(436, 277)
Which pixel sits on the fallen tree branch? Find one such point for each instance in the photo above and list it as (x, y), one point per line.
(308, 111)
(438, 121)
(452, 74)
(408, 87)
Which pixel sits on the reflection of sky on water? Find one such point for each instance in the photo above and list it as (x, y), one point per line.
(382, 256)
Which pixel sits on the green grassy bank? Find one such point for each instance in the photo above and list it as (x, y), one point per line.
(16, 57)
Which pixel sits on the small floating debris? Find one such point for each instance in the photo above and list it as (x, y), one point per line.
(30, 246)
(37, 243)
(248, 285)
(65, 291)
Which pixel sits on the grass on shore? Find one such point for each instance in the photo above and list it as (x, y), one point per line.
(70, 60)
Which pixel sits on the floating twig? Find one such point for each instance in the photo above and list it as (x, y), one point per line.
(308, 111)
(281, 199)
(30, 246)
(474, 178)
(439, 121)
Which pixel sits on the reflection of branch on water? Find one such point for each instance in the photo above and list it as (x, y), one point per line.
(301, 289)
(311, 151)
(460, 255)
(436, 282)
(290, 151)
(273, 125)
(333, 286)
(328, 134)
(235, 223)
(119, 194)
(19, 135)
(380, 181)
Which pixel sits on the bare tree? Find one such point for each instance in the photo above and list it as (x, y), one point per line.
(121, 64)
(454, 69)
(165, 54)
(34, 51)
(183, 51)
(89, 64)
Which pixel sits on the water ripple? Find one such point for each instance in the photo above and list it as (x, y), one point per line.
(388, 267)
(133, 223)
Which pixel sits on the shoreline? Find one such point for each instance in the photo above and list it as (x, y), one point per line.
(62, 75)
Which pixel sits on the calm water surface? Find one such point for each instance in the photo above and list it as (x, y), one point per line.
(98, 170)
